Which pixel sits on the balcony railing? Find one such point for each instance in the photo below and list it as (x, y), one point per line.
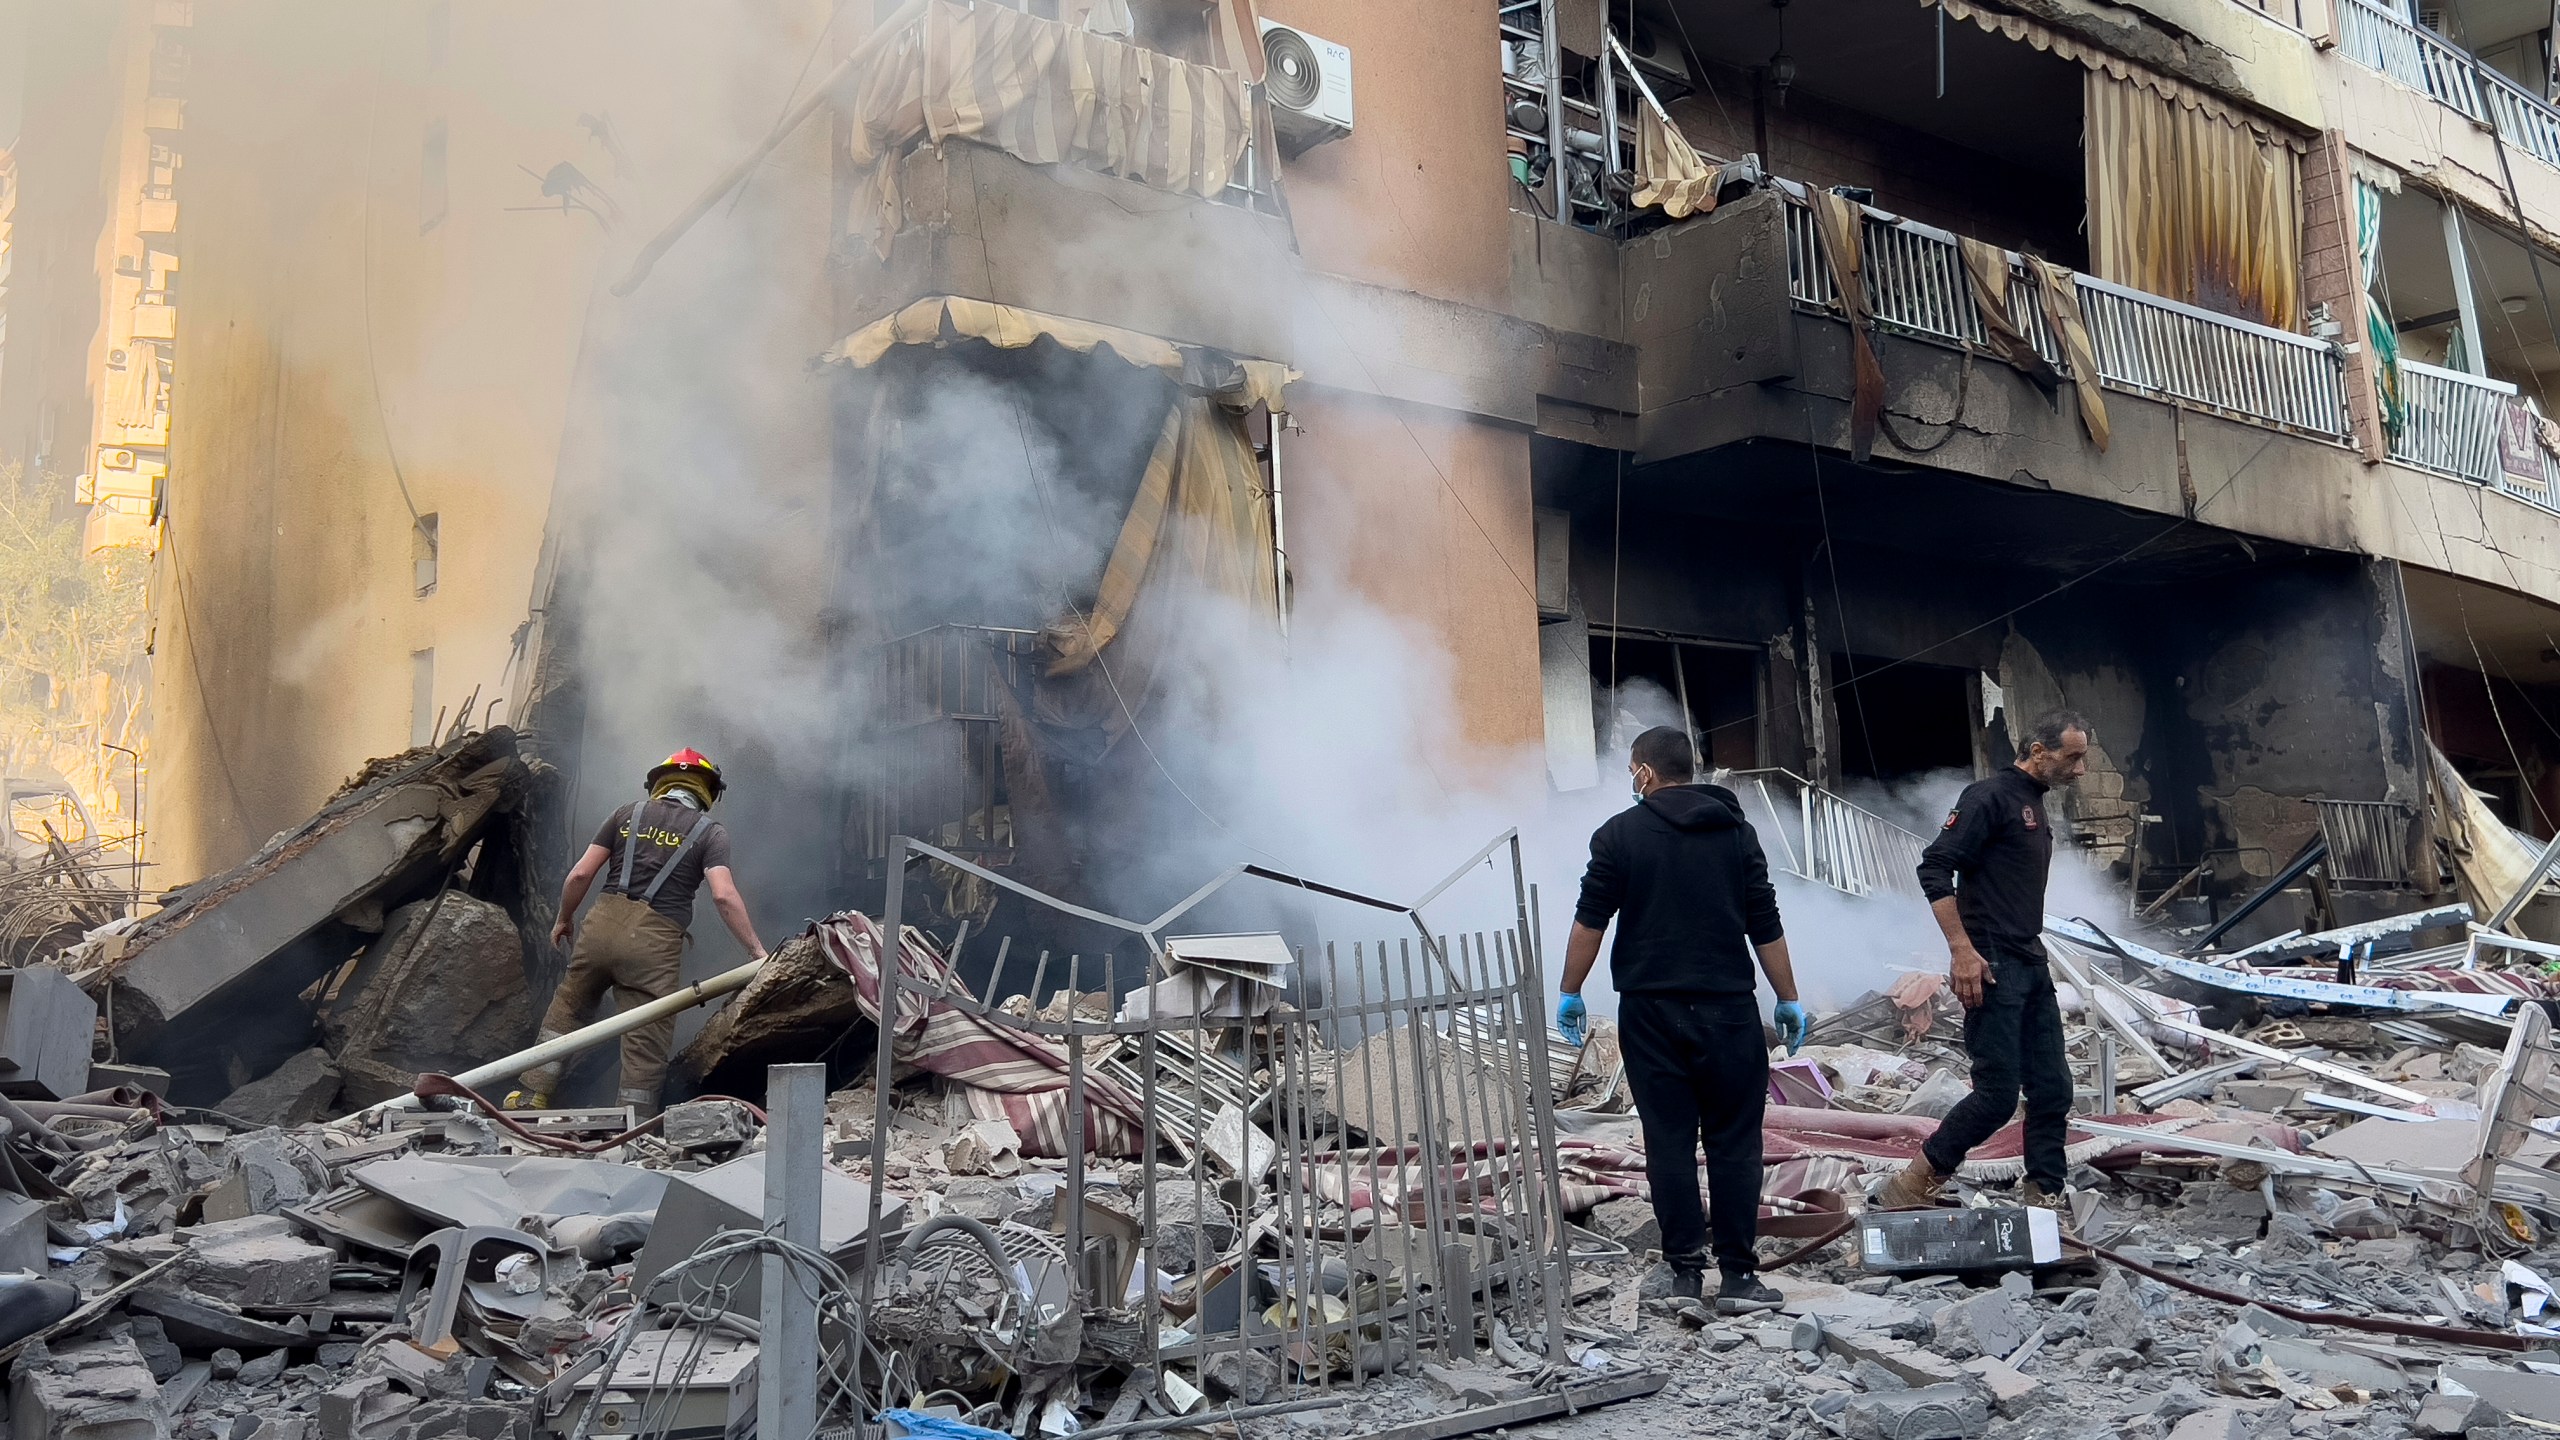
(1815, 835)
(2450, 423)
(2377, 36)
(1915, 283)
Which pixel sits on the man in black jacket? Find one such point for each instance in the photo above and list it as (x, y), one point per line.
(1683, 874)
(1984, 876)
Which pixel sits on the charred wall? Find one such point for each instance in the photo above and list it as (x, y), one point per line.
(2224, 684)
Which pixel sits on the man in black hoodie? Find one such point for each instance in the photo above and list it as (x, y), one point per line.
(1683, 875)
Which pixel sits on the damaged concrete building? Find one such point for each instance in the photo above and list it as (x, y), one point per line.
(1541, 355)
(1014, 435)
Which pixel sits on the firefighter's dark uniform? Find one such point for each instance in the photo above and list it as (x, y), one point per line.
(632, 939)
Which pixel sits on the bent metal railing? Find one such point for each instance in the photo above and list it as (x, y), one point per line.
(2147, 344)
(1373, 1170)
(1815, 835)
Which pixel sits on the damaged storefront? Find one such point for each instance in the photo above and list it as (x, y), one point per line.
(1044, 529)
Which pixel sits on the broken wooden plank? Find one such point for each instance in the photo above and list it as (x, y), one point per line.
(96, 1305)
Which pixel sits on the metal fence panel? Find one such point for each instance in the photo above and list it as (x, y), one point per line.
(2368, 840)
(1367, 1163)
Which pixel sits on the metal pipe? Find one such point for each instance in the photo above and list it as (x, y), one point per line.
(579, 1041)
(884, 1059)
(1279, 533)
(1550, 58)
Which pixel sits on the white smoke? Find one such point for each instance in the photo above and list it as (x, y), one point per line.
(720, 601)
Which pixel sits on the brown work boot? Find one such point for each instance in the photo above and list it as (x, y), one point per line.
(1915, 1186)
(2033, 1194)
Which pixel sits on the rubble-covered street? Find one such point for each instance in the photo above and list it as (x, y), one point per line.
(1232, 1192)
(1279, 719)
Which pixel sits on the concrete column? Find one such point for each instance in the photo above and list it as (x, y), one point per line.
(2333, 275)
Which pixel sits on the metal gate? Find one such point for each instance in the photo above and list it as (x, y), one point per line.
(1362, 1135)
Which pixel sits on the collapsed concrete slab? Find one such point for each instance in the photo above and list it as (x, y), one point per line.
(209, 988)
(98, 1391)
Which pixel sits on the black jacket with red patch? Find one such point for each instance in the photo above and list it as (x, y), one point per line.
(1992, 856)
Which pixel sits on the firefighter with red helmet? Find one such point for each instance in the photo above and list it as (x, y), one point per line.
(653, 855)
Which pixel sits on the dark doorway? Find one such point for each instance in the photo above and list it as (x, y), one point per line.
(1905, 719)
(1658, 682)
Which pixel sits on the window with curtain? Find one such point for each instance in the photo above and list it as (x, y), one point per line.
(2189, 201)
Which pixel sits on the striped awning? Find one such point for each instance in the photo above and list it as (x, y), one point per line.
(1237, 383)
(1047, 93)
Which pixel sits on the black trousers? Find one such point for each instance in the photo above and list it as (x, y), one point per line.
(1699, 1067)
(2015, 1040)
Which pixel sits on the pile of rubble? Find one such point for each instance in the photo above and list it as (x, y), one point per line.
(1230, 1189)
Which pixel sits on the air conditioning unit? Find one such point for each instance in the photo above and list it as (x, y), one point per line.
(115, 459)
(1308, 81)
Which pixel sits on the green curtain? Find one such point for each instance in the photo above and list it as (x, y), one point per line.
(2379, 332)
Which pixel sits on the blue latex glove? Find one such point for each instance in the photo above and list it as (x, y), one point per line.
(1573, 1019)
(1792, 1024)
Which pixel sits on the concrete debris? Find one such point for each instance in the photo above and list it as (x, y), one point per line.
(1935, 1412)
(2447, 1414)
(1629, 1222)
(1339, 1208)
(1987, 1324)
(301, 1090)
(2116, 1321)
(100, 1390)
(211, 986)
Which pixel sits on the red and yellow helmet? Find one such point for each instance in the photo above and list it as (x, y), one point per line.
(689, 761)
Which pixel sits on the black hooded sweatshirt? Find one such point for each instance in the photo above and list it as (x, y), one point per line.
(1683, 873)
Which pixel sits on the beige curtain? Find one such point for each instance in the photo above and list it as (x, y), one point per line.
(1841, 226)
(1668, 172)
(1048, 93)
(2186, 202)
(1986, 274)
(1199, 525)
(2058, 290)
